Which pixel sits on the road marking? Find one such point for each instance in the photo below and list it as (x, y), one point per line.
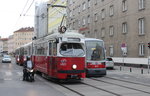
(7, 79)
(8, 73)
(20, 73)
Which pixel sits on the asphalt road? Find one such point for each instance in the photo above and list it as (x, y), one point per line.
(116, 83)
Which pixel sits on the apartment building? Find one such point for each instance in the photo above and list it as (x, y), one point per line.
(122, 24)
(23, 36)
(10, 44)
(3, 45)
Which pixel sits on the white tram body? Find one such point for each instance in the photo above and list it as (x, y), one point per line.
(95, 57)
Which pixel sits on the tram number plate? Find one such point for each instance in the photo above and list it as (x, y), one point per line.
(97, 70)
(74, 76)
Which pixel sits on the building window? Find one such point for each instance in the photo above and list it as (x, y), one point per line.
(88, 19)
(111, 30)
(70, 26)
(111, 10)
(73, 13)
(95, 2)
(103, 32)
(70, 14)
(141, 4)
(89, 3)
(103, 13)
(73, 25)
(124, 27)
(70, 2)
(79, 9)
(111, 50)
(83, 6)
(83, 21)
(124, 5)
(95, 33)
(141, 26)
(96, 16)
(141, 49)
(79, 23)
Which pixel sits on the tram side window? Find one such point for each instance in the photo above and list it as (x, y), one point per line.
(46, 49)
(21, 51)
(41, 50)
(25, 52)
(54, 49)
(50, 48)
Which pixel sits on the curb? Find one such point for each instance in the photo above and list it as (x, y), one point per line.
(131, 65)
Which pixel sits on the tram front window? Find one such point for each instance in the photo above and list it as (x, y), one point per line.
(95, 50)
(71, 49)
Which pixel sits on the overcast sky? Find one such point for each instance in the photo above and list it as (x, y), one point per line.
(12, 16)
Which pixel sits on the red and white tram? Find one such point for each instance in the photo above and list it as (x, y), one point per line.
(22, 52)
(19, 55)
(60, 55)
(95, 57)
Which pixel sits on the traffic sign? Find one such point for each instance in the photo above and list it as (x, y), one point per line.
(124, 47)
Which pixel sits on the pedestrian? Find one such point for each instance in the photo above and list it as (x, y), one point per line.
(25, 74)
(27, 65)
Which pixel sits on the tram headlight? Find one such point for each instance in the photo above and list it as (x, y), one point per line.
(18, 59)
(74, 66)
(24, 59)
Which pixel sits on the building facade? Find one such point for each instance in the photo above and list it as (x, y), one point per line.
(122, 24)
(1, 46)
(4, 45)
(10, 44)
(23, 36)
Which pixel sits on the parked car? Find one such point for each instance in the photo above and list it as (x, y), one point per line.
(6, 59)
(109, 63)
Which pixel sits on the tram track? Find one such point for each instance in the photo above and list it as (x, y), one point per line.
(102, 89)
(108, 82)
(89, 85)
(76, 88)
(128, 81)
(65, 85)
(80, 94)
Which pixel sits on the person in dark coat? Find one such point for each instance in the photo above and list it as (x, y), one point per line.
(27, 64)
(25, 74)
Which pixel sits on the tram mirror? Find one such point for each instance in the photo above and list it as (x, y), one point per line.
(62, 29)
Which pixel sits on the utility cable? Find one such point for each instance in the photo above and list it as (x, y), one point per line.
(29, 8)
(24, 7)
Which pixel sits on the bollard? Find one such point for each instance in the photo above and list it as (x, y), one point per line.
(130, 69)
(141, 70)
(120, 68)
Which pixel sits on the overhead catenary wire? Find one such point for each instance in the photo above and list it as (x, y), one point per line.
(24, 13)
(29, 7)
(21, 12)
(24, 7)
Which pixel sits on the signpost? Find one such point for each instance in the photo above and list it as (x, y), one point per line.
(124, 51)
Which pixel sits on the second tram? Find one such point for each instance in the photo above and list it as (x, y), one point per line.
(95, 57)
(22, 52)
